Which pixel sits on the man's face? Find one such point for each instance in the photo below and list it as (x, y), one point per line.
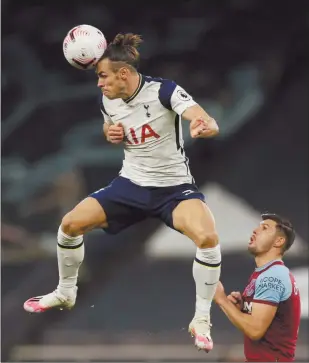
(264, 238)
(110, 82)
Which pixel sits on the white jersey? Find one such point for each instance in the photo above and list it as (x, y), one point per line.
(151, 117)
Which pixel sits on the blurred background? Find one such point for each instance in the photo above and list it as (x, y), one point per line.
(245, 61)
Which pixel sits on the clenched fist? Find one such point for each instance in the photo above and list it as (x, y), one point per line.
(197, 127)
(115, 133)
(201, 127)
(236, 298)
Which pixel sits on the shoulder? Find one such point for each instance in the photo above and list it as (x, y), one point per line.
(166, 87)
(280, 272)
(275, 278)
(159, 81)
(167, 90)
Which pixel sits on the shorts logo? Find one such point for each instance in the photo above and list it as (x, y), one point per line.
(98, 191)
(183, 96)
(187, 192)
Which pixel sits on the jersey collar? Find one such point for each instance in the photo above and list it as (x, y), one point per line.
(277, 262)
(138, 89)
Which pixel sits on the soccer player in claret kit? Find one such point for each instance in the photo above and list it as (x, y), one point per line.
(268, 311)
(144, 114)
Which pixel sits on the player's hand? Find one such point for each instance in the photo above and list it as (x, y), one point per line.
(115, 133)
(198, 127)
(236, 298)
(220, 294)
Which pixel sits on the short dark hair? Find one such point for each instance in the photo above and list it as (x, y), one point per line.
(284, 226)
(124, 49)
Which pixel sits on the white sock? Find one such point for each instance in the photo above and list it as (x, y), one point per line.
(206, 273)
(70, 253)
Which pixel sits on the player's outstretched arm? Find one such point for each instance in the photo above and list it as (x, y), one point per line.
(201, 124)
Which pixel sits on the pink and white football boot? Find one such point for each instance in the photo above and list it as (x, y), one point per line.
(54, 300)
(200, 330)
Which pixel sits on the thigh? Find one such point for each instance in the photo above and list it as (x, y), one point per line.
(85, 216)
(194, 219)
(168, 199)
(123, 202)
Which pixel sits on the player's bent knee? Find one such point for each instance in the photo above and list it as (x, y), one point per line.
(206, 239)
(87, 215)
(71, 226)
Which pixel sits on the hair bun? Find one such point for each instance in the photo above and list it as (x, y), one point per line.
(128, 39)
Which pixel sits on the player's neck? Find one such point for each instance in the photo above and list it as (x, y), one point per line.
(132, 86)
(262, 260)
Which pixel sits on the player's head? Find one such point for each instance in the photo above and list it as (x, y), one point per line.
(117, 65)
(274, 234)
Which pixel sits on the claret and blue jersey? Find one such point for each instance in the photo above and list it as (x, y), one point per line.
(274, 284)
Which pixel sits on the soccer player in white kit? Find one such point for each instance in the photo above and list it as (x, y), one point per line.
(144, 114)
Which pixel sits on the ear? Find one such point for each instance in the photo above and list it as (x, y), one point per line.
(279, 242)
(123, 73)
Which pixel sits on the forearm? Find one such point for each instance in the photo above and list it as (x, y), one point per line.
(240, 320)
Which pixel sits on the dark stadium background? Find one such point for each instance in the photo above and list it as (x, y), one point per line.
(245, 61)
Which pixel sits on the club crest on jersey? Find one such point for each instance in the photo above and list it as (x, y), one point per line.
(146, 107)
(249, 290)
(183, 96)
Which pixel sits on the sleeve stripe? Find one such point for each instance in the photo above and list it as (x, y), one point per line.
(265, 302)
(165, 93)
(103, 108)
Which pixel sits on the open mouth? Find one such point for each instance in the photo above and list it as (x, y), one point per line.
(252, 239)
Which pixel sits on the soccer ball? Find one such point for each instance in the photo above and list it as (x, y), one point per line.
(83, 46)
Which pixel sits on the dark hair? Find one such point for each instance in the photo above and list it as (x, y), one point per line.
(124, 49)
(284, 226)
